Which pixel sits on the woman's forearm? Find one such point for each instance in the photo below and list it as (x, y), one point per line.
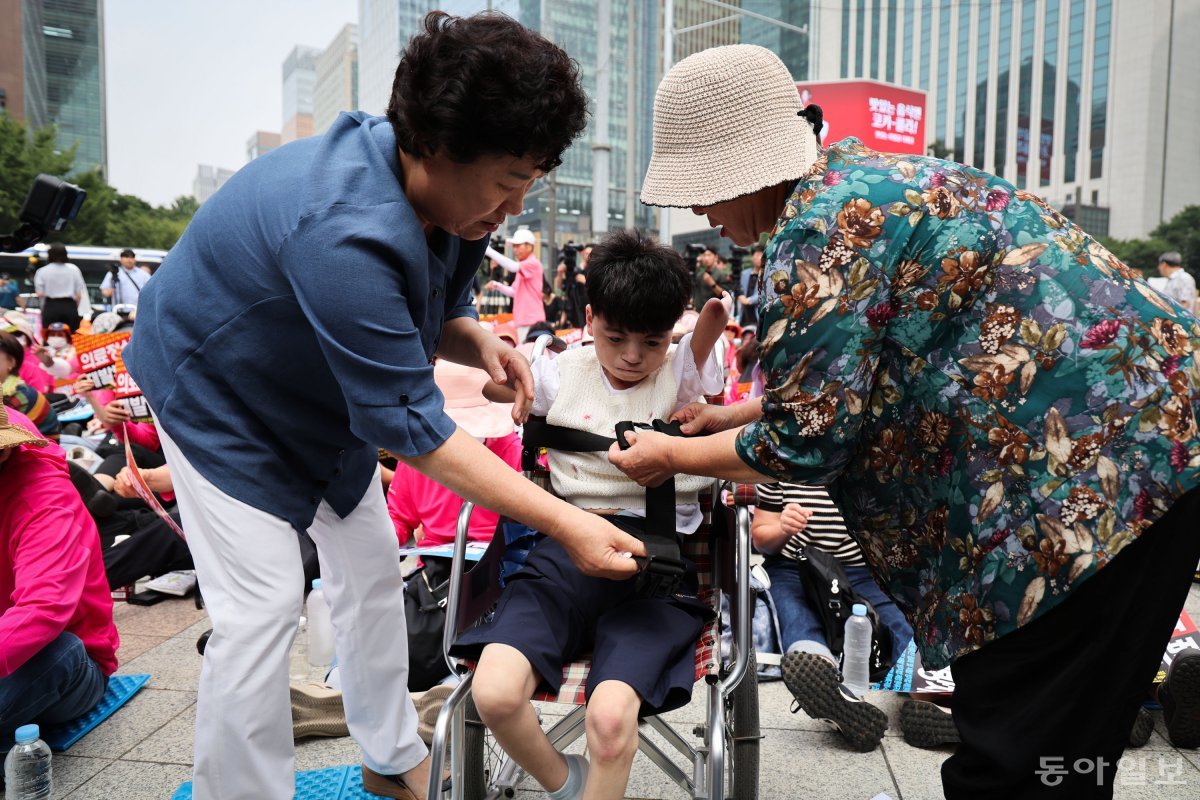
(462, 341)
(715, 456)
(461, 461)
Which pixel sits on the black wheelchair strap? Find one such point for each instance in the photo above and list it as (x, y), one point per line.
(663, 567)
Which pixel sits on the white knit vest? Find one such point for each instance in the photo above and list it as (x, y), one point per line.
(588, 480)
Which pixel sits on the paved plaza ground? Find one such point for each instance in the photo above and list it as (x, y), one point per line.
(145, 750)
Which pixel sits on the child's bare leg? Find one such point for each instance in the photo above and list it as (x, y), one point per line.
(503, 683)
(612, 736)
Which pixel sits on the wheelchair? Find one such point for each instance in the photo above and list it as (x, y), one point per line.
(722, 758)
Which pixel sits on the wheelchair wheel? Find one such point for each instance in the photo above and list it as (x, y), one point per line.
(482, 758)
(743, 735)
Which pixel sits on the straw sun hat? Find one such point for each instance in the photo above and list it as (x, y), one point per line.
(726, 124)
(12, 435)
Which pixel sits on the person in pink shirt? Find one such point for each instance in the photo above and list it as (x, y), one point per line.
(416, 502)
(58, 643)
(526, 290)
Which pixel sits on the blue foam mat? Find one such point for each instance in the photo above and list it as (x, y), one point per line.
(120, 689)
(333, 783)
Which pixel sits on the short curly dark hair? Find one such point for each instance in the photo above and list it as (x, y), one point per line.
(637, 284)
(485, 84)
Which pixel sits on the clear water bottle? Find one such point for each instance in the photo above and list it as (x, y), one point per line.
(27, 767)
(320, 627)
(856, 652)
(298, 658)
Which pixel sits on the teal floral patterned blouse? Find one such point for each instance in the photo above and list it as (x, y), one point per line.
(996, 402)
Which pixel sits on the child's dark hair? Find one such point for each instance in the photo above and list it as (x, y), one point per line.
(636, 284)
(9, 346)
(483, 85)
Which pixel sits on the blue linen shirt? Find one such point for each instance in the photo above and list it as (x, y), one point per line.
(289, 333)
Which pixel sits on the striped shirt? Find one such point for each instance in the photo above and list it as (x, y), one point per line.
(826, 529)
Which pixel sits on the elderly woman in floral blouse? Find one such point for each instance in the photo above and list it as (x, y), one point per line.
(1004, 412)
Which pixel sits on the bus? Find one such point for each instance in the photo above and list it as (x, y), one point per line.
(93, 262)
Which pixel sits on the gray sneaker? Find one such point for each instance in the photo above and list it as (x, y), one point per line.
(814, 681)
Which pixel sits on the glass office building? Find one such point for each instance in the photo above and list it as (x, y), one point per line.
(1028, 89)
(64, 75)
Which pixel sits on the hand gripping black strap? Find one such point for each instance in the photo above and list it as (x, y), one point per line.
(662, 568)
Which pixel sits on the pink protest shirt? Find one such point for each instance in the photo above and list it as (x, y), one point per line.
(51, 574)
(35, 375)
(527, 293)
(416, 501)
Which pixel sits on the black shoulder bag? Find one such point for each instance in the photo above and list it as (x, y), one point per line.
(831, 595)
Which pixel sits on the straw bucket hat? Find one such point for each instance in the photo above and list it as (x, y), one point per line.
(13, 435)
(726, 124)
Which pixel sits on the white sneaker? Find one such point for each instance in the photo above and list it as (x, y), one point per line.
(176, 583)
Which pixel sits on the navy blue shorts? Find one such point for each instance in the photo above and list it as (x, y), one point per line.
(554, 614)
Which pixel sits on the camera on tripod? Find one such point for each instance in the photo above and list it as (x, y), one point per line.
(694, 250)
(49, 206)
(569, 255)
(737, 256)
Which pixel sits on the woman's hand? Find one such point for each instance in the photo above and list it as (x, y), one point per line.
(114, 414)
(599, 548)
(648, 459)
(83, 386)
(699, 418)
(123, 483)
(508, 367)
(43, 355)
(794, 518)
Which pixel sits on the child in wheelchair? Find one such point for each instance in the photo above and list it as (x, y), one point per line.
(641, 644)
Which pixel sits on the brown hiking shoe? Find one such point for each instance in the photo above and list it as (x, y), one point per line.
(386, 785)
(317, 711)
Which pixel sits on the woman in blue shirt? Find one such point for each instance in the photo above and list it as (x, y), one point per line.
(289, 335)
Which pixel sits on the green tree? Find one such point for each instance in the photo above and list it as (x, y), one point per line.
(1182, 232)
(1138, 253)
(23, 154)
(107, 217)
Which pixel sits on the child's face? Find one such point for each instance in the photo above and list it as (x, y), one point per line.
(627, 358)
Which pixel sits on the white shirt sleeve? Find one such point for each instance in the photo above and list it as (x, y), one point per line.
(546, 381)
(504, 289)
(502, 260)
(693, 380)
(107, 282)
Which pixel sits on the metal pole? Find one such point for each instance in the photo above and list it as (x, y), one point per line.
(664, 214)
(600, 146)
(631, 109)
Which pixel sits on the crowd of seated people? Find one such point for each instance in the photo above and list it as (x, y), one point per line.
(119, 539)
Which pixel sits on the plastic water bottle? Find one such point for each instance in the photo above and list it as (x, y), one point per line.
(298, 658)
(27, 767)
(856, 653)
(320, 628)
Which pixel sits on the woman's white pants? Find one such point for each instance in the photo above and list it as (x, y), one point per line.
(249, 570)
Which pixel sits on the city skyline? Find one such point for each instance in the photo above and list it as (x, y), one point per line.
(1023, 90)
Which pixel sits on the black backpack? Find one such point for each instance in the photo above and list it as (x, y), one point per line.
(425, 594)
(831, 595)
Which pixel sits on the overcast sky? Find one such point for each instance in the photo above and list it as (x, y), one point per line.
(188, 82)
